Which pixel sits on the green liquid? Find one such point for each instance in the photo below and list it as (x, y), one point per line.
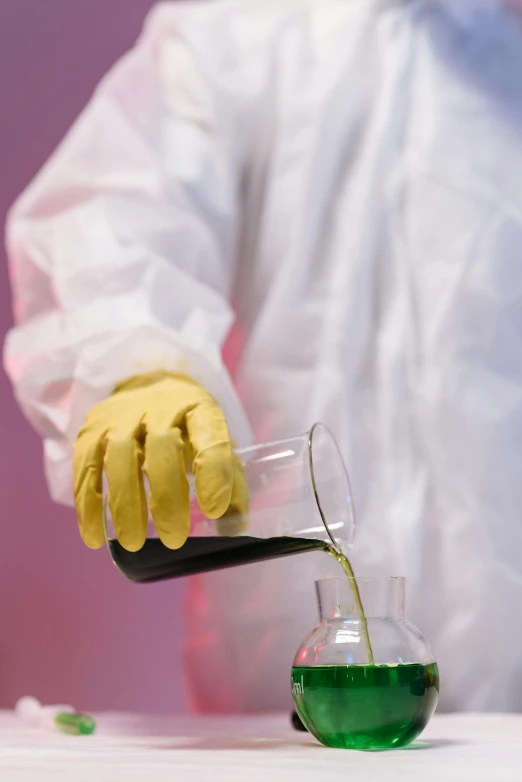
(366, 706)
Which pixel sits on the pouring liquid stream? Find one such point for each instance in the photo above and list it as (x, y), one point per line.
(345, 563)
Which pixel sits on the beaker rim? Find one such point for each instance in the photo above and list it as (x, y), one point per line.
(351, 521)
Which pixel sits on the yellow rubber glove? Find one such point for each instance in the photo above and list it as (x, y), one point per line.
(167, 424)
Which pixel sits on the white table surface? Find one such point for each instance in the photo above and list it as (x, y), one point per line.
(478, 748)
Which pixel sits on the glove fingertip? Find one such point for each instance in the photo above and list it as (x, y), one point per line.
(92, 537)
(174, 538)
(131, 543)
(214, 500)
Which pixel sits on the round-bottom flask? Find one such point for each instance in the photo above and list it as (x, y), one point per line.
(364, 682)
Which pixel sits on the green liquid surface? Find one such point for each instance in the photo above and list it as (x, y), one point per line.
(366, 706)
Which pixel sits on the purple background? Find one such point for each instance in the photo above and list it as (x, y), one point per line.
(71, 628)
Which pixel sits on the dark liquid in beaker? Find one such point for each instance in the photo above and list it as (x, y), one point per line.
(156, 562)
(366, 706)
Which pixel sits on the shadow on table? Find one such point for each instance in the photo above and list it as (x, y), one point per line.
(434, 744)
(248, 743)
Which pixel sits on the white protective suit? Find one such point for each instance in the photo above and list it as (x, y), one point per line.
(349, 173)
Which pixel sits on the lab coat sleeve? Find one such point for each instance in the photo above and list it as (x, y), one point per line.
(122, 251)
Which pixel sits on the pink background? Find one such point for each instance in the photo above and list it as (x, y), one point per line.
(71, 628)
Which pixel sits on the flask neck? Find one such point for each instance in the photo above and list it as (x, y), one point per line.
(342, 598)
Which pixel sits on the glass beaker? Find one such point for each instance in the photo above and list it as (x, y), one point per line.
(342, 699)
(299, 500)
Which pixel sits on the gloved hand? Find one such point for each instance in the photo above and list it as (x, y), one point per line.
(168, 424)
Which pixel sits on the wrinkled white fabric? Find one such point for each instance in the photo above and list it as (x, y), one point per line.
(456, 748)
(350, 173)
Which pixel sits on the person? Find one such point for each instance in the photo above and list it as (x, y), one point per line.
(334, 187)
